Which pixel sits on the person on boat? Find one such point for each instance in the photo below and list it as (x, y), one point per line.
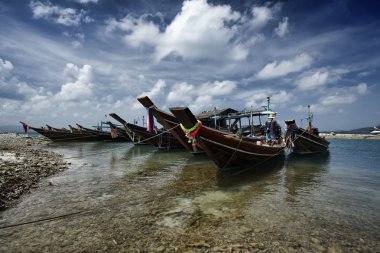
(234, 129)
(272, 129)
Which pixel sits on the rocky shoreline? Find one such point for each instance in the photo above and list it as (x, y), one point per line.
(22, 166)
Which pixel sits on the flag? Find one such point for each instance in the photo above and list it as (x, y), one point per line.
(150, 121)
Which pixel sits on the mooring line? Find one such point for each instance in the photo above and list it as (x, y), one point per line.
(163, 132)
(46, 219)
(108, 150)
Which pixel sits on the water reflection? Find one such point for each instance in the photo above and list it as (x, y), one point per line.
(304, 173)
(244, 176)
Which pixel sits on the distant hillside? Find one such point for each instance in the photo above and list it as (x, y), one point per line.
(364, 130)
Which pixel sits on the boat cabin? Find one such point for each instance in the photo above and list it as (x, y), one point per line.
(216, 118)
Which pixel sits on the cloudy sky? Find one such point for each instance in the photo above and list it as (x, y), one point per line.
(71, 61)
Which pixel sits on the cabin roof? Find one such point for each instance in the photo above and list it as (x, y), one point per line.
(218, 112)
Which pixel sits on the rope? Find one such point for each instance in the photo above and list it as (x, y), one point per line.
(163, 132)
(46, 219)
(241, 171)
(292, 141)
(229, 160)
(121, 147)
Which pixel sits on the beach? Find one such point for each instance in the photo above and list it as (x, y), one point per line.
(22, 165)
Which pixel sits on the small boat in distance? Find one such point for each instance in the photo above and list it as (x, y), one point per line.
(103, 135)
(74, 134)
(304, 141)
(376, 130)
(60, 136)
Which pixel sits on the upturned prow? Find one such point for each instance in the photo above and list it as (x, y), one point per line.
(118, 118)
(184, 116)
(145, 101)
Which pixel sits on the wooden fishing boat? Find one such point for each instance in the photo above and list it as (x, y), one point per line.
(57, 129)
(159, 138)
(140, 135)
(102, 135)
(135, 138)
(169, 122)
(61, 136)
(304, 141)
(117, 130)
(226, 150)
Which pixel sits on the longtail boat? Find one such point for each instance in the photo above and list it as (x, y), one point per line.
(169, 122)
(140, 135)
(226, 150)
(102, 135)
(57, 129)
(135, 138)
(116, 130)
(61, 136)
(305, 141)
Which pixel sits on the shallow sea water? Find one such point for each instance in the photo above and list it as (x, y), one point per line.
(119, 197)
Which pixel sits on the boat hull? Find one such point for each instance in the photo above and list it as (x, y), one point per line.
(230, 152)
(226, 150)
(303, 142)
(57, 136)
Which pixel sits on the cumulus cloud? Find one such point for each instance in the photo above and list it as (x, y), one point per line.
(80, 87)
(317, 79)
(202, 94)
(57, 14)
(344, 95)
(256, 98)
(137, 29)
(261, 16)
(282, 29)
(313, 81)
(283, 68)
(199, 31)
(336, 97)
(157, 89)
